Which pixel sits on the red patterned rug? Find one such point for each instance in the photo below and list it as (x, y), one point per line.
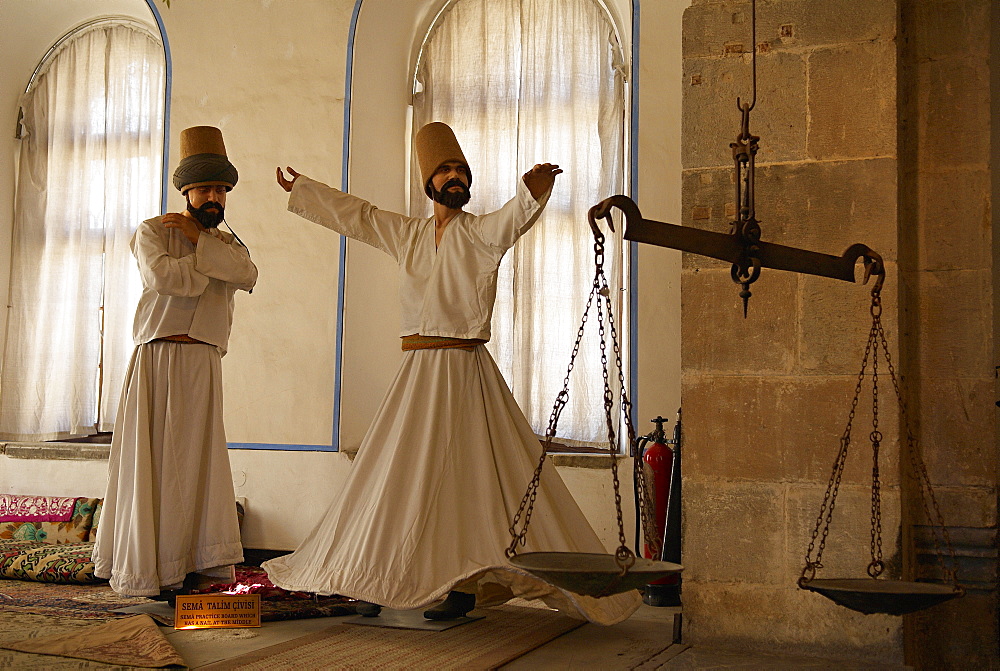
(99, 600)
(280, 604)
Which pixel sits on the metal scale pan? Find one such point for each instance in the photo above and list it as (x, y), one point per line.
(591, 574)
(890, 597)
(596, 575)
(872, 595)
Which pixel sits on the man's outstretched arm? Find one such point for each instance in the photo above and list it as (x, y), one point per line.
(539, 179)
(343, 213)
(284, 182)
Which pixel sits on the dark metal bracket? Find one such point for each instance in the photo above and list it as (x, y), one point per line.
(729, 247)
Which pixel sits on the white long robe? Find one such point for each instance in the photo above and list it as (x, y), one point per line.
(441, 472)
(170, 508)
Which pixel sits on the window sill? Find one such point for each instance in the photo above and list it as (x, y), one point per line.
(559, 459)
(54, 450)
(600, 461)
(97, 452)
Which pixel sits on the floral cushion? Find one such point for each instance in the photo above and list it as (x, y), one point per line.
(45, 562)
(75, 530)
(97, 520)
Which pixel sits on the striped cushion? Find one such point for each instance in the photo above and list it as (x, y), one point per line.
(45, 562)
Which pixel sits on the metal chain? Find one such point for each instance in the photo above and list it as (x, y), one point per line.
(876, 341)
(939, 532)
(877, 566)
(528, 500)
(638, 472)
(822, 528)
(623, 556)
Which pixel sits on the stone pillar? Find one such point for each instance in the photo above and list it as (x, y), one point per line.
(875, 119)
(766, 398)
(948, 275)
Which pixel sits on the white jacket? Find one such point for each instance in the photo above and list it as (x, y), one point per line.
(187, 289)
(447, 291)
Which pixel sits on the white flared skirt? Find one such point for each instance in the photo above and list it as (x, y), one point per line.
(170, 507)
(430, 497)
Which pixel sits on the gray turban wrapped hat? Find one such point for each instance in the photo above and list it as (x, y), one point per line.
(203, 160)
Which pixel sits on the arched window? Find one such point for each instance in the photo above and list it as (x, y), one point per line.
(525, 82)
(89, 171)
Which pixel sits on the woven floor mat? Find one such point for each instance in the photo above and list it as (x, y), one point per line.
(506, 633)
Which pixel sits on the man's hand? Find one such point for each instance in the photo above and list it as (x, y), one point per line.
(284, 183)
(540, 179)
(188, 226)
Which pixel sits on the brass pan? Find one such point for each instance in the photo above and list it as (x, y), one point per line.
(596, 575)
(891, 597)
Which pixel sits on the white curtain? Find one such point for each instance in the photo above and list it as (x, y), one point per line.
(89, 171)
(524, 82)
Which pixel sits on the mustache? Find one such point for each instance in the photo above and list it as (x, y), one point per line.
(455, 182)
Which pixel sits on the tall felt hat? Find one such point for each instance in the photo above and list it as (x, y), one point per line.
(203, 160)
(436, 144)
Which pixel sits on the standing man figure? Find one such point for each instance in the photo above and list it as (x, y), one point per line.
(427, 506)
(169, 516)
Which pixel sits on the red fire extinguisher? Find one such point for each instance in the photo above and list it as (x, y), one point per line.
(661, 460)
(657, 460)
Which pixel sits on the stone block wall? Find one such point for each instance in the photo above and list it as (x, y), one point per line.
(766, 398)
(875, 121)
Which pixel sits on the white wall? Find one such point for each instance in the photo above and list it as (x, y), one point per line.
(44, 477)
(271, 75)
(659, 198)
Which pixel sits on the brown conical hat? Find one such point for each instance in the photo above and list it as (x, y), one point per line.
(436, 144)
(202, 140)
(203, 160)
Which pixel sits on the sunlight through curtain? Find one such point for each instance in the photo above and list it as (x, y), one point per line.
(524, 82)
(89, 171)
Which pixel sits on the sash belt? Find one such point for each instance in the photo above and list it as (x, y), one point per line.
(417, 341)
(181, 338)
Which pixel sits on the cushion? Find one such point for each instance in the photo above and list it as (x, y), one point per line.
(27, 508)
(45, 562)
(96, 521)
(74, 530)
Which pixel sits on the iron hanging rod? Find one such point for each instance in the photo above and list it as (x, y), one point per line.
(728, 247)
(753, 59)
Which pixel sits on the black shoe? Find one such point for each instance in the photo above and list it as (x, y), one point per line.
(366, 609)
(168, 595)
(458, 604)
(196, 583)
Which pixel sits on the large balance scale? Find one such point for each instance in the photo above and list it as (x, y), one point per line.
(600, 575)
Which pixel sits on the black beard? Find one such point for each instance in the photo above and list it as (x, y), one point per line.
(205, 214)
(450, 199)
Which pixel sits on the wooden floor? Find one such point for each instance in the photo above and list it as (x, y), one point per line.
(644, 641)
(648, 634)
